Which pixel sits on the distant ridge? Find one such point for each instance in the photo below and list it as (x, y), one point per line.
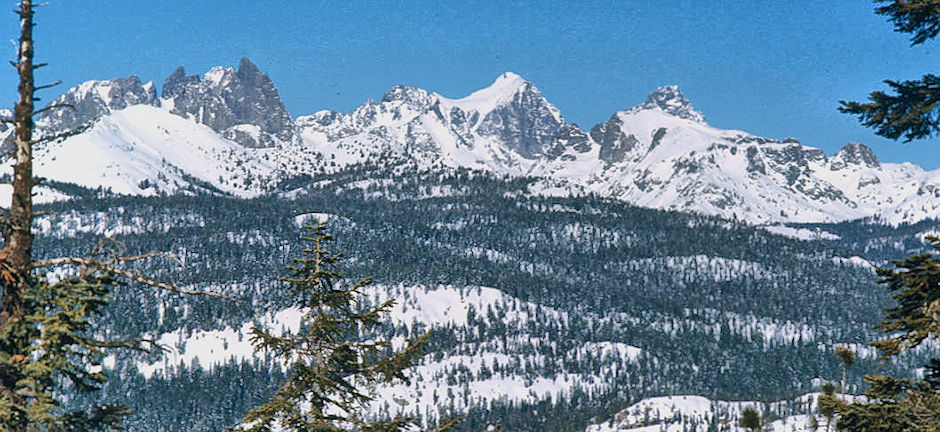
(660, 153)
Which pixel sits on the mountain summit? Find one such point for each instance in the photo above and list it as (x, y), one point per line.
(673, 102)
(500, 91)
(515, 112)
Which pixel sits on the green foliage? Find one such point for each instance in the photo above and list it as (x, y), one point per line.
(828, 403)
(847, 358)
(916, 316)
(845, 355)
(911, 112)
(914, 282)
(750, 419)
(53, 351)
(903, 404)
(895, 405)
(919, 17)
(331, 365)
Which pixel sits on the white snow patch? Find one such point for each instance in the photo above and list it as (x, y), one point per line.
(680, 413)
(800, 233)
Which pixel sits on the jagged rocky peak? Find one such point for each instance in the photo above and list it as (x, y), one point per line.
(569, 136)
(409, 95)
(854, 154)
(94, 99)
(177, 82)
(671, 101)
(249, 71)
(241, 104)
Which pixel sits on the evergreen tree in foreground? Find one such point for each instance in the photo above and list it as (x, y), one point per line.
(903, 404)
(63, 356)
(912, 110)
(828, 403)
(332, 367)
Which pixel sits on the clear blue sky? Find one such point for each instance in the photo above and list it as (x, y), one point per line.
(776, 68)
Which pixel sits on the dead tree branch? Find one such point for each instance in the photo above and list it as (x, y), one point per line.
(54, 106)
(97, 266)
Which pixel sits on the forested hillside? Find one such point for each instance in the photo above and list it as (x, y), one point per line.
(575, 307)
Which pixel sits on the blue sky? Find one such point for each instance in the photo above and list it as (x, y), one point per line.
(775, 69)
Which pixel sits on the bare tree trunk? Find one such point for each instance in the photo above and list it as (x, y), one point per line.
(843, 381)
(19, 246)
(17, 252)
(16, 256)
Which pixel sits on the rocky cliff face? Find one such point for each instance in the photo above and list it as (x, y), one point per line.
(854, 154)
(524, 121)
(614, 143)
(241, 104)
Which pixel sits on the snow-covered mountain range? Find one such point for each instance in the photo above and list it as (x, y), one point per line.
(227, 131)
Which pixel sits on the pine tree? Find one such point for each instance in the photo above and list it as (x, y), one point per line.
(904, 404)
(847, 359)
(333, 363)
(912, 111)
(828, 404)
(45, 339)
(750, 419)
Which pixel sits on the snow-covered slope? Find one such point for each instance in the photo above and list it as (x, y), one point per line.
(664, 157)
(684, 413)
(144, 150)
(655, 159)
(224, 132)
